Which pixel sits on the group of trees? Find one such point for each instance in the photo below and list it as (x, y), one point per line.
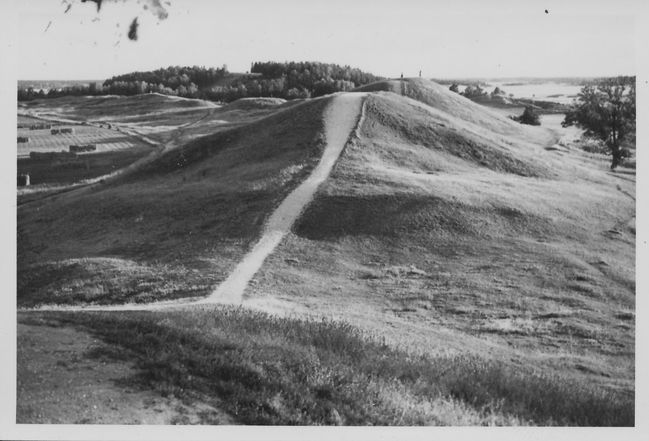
(606, 112)
(173, 77)
(475, 91)
(529, 116)
(309, 74)
(289, 80)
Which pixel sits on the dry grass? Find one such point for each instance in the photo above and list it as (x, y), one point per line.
(263, 369)
(109, 281)
(535, 264)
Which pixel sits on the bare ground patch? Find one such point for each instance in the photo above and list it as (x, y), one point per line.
(67, 376)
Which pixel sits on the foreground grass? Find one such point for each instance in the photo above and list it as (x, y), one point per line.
(270, 370)
(107, 281)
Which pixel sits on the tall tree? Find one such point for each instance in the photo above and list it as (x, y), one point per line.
(606, 112)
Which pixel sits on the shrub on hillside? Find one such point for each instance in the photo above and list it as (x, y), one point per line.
(474, 91)
(529, 116)
(498, 92)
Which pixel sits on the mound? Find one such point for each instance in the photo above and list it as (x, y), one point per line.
(449, 143)
(417, 173)
(453, 104)
(426, 223)
(196, 208)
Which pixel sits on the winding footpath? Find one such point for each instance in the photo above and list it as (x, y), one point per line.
(342, 119)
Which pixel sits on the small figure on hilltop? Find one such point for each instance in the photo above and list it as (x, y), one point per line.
(402, 75)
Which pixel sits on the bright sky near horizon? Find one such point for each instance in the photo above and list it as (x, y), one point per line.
(442, 39)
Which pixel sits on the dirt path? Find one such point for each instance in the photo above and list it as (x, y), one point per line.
(341, 117)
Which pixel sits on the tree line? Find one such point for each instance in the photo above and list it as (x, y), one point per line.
(288, 80)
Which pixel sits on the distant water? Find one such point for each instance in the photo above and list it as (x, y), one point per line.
(550, 91)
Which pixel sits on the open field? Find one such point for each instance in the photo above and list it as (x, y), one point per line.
(469, 269)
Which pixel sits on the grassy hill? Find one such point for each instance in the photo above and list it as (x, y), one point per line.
(173, 228)
(447, 230)
(447, 240)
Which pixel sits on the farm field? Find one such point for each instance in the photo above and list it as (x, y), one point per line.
(105, 139)
(123, 129)
(158, 117)
(113, 150)
(84, 166)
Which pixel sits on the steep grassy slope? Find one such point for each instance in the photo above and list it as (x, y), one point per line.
(448, 240)
(173, 228)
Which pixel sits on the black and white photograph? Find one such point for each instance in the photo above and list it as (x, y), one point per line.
(258, 218)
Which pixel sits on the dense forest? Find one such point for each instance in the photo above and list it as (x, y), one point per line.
(288, 80)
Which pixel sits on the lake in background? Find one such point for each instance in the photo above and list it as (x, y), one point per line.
(551, 91)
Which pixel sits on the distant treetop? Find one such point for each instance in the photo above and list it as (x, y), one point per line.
(288, 80)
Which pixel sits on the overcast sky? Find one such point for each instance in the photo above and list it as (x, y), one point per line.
(443, 39)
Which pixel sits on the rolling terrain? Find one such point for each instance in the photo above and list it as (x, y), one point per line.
(219, 203)
(445, 231)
